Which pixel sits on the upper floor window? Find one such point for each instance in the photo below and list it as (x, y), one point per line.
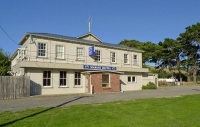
(113, 57)
(42, 49)
(79, 54)
(126, 60)
(97, 55)
(21, 53)
(60, 51)
(135, 59)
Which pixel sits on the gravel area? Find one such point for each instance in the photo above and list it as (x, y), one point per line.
(66, 100)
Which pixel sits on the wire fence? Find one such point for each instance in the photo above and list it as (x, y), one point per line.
(14, 87)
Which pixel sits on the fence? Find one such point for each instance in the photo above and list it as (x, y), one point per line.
(14, 87)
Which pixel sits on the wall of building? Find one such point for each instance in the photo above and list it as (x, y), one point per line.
(36, 76)
(70, 54)
(96, 82)
(129, 86)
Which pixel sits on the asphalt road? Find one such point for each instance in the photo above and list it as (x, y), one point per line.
(66, 100)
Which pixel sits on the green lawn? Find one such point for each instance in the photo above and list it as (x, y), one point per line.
(157, 112)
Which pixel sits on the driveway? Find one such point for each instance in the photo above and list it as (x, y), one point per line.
(66, 100)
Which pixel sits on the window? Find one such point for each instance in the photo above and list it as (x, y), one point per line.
(63, 78)
(135, 61)
(113, 57)
(60, 51)
(126, 61)
(97, 55)
(79, 54)
(105, 80)
(46, 78)
(77, 78)
(131, 79)
(22, 53)
(42, 49)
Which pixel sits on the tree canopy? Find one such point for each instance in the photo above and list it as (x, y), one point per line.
(4, 62)
(174, 54)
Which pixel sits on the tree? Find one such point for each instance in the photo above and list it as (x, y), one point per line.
(4, 62)
(172, 55)
(190, 40)
(151, 52)
(150, 49)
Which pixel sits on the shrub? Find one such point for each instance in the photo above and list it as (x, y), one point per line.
(150, 85)
(163, 83)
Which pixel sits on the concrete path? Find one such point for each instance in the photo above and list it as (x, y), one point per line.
(66, 100)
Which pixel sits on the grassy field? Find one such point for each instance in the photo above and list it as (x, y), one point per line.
(157, 112)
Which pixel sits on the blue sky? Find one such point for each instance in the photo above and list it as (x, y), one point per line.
(112, 20)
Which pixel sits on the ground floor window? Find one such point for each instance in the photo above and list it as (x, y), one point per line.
(63, 78)
(105, 80)
(131, 79)
(46, 78)
(77, 78)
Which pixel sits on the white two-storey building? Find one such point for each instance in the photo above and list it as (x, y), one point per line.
(60, 64)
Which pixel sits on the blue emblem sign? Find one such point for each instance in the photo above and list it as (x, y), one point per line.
(91, 51)
(92, 67)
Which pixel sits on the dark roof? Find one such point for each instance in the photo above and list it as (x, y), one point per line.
(55, 36)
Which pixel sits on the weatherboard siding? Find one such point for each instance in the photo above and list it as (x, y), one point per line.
(36, 76)
(133, 85)
(70, 50)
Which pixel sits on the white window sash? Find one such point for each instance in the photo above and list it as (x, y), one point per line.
(126, 59)
(42, 47)
(98, 55)
(113, 57)
(60, 51)
(135, 60)
(131, 79)
(80, 54)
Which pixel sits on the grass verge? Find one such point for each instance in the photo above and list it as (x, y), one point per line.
(156, 112)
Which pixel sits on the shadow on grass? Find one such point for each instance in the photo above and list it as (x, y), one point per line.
(196, 89)
(37, 113)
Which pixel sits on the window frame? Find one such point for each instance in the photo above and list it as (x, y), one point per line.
(62, 53)
(42, 49)
(111, 57)
(106, 82)
(47, 78)
(126, 58)
(77, 78)
(97, 60)
(62, 79)
(135, 61)
(131, 77)
(22, 53)
(77, 53)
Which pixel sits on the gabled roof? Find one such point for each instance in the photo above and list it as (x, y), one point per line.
(76, 40)
(88, 34)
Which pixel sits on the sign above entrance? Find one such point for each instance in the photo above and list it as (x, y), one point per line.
(92, 67)
(91, 51)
